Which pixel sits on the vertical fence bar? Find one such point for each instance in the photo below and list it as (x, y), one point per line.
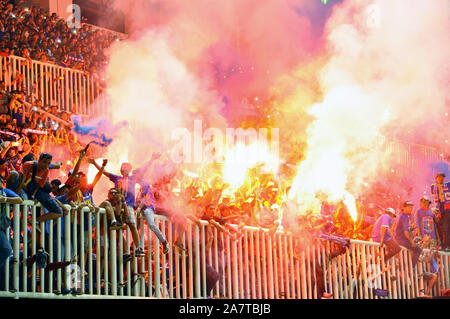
(303, 275)
(51, 257)
(234, 263)
(270, 251)
(16, 247)
(253, 271)
(258, 266)
(164, 265)
(8, 260)
(149, 261)
(229, 265)
(203, 263)
(98, 252)
(191, 266)
(82, 261)
(249, 293)
(157, 270)
(105, 256)
(90, 262)
(197, 262)
(42, 244)
(25, 248)
(113, 263)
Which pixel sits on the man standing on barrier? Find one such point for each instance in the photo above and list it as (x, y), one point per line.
(441, 193)
(402, 232)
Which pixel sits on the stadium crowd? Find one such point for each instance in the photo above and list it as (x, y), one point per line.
(33, 136)
(33, 33)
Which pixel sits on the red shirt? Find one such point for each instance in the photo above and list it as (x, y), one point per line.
(40, 177)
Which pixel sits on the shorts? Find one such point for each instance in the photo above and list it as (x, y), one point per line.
(131, 219)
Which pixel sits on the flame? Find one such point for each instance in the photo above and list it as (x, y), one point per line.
(92, 171)
(346, 124)
(350, 203)
(241, 158)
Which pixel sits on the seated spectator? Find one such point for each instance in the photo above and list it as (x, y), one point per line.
(382, 233)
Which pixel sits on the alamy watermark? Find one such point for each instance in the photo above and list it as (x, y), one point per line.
(74, 20)
(213, 144)
(73, 276)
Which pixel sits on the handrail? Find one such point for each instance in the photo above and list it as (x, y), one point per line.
(71, 90)
(258, 264)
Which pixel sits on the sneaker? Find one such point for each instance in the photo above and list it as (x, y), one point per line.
(75, 292)
(139, 252)
(65, 291)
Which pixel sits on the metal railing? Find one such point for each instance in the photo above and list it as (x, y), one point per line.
(70, 90)
(259, 264)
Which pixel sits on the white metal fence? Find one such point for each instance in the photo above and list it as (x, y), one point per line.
(258, 265)
(70, 90)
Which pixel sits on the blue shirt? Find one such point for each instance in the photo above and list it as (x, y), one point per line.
(87, 198)
(401, 226)
(424, 221)
(383, 221)
(446, 195)
(127, 184)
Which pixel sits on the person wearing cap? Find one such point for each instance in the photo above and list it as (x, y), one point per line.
(382, 233)
(423, 221)
(402, 232)
(441, 192)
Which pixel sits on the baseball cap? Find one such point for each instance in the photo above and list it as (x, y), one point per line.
(62, 186)
(425, 198)
(408, 203)
(390, 211)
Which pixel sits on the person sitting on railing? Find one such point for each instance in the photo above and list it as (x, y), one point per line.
(33, 179)
(117, 201)
(126, 184)
(382, 233)
(84, 199)
(146, 206)
(402, 232)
